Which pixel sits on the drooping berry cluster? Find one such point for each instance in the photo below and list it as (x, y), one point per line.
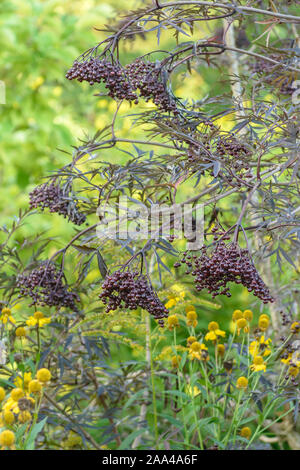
(95, 70)
(225, 264)
(131, 290)
(147, 77)
(57, 199)
(45, 285)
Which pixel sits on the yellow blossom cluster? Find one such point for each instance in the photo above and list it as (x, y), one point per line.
(17, 405)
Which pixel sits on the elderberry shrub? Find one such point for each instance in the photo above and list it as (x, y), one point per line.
(94, 70)
(226, 263)
(129, 289)
(45, 285)
(53, 197)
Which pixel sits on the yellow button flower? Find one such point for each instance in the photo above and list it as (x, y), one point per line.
(242, 383)
(237, 314)
(20, 332)
(191, 318)
(190, 340)
(198, 351)
(258, 364)
(43, 375)
(7, 438)
(172, 322)
(248, 315)
(242, 324)
(214, 332)
(8, 417)
(16, 394)
(263, 322)
(34, 386)
(246, 432)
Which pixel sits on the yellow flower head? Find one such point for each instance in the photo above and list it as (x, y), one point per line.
(198, 351)
(7, 438)
(214, 331)
(34, 386)
(190, 340)
(242, 324)
(220, 350)
(195, 346)
(172, 322)
(242, 383)
(258, 364)
(2, 394)
(43, 375)
(237, 314)
(263, 322)
(213, 325)
(8, 417)
(246, 432)
(20, 332)
(191, 318)
(248, 315)
(295, 327)
(16, 394)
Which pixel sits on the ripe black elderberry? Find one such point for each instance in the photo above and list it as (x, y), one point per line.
(94, 70)
(131, 290)
(45, 285)
(53, 197)
(147, 77)
(226, 263)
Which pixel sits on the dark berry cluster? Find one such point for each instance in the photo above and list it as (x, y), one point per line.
(124, 82)
(55, 198)
(147, 77)
(226, 263)
(232, 155)
(45, 285)
(95, 70)
(131, 290)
